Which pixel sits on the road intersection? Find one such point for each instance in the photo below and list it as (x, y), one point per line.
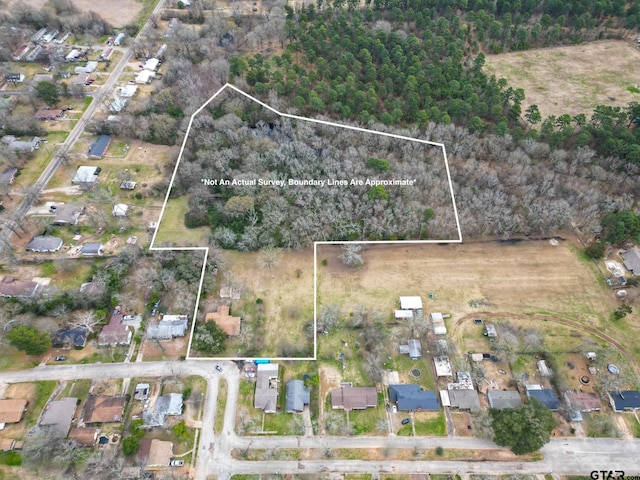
(561, 455)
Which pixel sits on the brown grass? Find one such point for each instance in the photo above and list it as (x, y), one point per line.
(572, 79)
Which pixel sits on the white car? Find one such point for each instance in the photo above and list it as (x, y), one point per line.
(177, 463)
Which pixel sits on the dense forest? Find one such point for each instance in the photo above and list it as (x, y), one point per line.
(285, 183)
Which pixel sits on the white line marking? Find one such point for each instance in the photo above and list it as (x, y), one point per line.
(315, 244)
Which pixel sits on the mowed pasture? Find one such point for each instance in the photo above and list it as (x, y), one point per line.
(572, 79)
(524, 277)
(117, 13)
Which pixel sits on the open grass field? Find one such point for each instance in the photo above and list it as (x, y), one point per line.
(172, 229)
(525, 277)
(572, 79)
(117, 13)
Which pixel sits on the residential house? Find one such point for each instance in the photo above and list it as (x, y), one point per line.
(23, 146)
(88, 68)
(70, 337)
(114, 332)
(58, 415)
(145, 76)
(229, 325)
(103, 409)
(411, 303)
(154, 454)
(67, 214)
(266, 395)
(8, 176)
(461, 394)
(348, 397)
(297, 396)
(99, 147)
(166, 405)
(119, 39)
(44, 244)
(118, 104)
(583, 401)
(11, 410)
(410, 397)
(501, 399)
(128, 91)
(80, 79)
(10, 287)
(89, 249)
(627, 400)
(48, 115)
(141, 391)
(120, 210)
(170, 326)
(152, 64)
(631, 260)
(84, 436)
(437, 320)
(546, 396)
(86, 176)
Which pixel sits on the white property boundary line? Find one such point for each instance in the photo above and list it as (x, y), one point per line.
(315, 244)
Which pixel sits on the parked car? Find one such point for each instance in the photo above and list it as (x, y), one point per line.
(177, 463)
(477, 320)
(61, 358)
(394, 409)
(406, 420)
(218, 368)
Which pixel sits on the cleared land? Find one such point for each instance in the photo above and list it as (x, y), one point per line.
(520, 277)
(116, 12)
(572, 79)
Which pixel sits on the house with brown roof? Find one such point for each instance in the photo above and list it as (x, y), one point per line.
(354, 398)
(103, 409)
(10, 287)
(44, 114)
(583, 401)
(114, 332)
(229, 325)
(85, 436)
(154, 454)
(11, 410)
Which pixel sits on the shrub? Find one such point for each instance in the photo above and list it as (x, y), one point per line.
(439, 451)
(130, 446)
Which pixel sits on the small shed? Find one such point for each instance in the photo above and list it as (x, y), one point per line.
(120, 210)
(543, 369)
(490, 330)
(439, 327)
(403, 314)
(92, 249)
(128, 185)
(411, 303)
(415, 349)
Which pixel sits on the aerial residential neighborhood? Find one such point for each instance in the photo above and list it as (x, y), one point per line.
(311, 239)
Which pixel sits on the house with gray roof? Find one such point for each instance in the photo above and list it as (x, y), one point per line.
(166, 405)
(170, 326)
(501, 399)
(266, 395)
(58, 415)
(631, 260)
(297, 396)
(410, 397)
(44, 244)
(86, 176)
(627, 400)
(92, 249)
(8, 176)
(415, 349)
(546, 396)
(67, 214)
(464, 399)
(70, 337)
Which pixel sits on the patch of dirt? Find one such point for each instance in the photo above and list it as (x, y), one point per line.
(330, 378)
(461, 421)
(572, 79)
(165, 349)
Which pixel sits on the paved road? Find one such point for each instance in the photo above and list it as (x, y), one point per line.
(561, 455)
(77, 130)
